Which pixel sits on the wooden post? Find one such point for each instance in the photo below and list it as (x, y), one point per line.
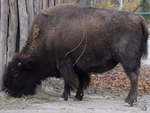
(36, 4)
(0, 19)
(52, 3)
(3, 37)
(41, 4)
(45, 4)
(30, 10)
(13, 29)
(23, 22)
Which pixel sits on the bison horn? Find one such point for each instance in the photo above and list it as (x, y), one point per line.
(19, 64)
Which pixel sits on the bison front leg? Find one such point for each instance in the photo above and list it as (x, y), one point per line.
(80, 92)
(132, 96)
(66, 92)
(71, 80)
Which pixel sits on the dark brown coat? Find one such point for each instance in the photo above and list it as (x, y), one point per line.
(71, 41)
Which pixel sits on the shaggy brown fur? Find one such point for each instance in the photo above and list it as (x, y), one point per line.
(71, 41)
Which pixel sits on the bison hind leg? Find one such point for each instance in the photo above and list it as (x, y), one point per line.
(84, 80)
(132, 96)
(131, 67)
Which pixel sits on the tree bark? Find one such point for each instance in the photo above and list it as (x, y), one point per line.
(3, 37)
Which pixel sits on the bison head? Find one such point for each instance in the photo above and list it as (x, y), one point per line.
(20, 78)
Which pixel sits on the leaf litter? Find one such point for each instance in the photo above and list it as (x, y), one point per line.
(117, 80)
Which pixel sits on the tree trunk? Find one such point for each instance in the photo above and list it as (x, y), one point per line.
(3, 38)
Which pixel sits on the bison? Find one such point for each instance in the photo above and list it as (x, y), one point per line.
(73, 41)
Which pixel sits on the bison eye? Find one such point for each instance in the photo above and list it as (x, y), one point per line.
(19, 64)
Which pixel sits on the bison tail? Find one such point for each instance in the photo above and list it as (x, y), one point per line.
(144, 42)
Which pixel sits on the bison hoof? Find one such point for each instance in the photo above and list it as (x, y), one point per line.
(64, 97)
(78, 97)
(131, 100)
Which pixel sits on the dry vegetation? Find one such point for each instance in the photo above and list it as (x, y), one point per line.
(132, 5)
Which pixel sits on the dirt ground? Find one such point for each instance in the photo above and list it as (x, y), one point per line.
(106, 94)
(94, 103)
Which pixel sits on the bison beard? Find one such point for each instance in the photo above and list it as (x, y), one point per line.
(72, 41)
